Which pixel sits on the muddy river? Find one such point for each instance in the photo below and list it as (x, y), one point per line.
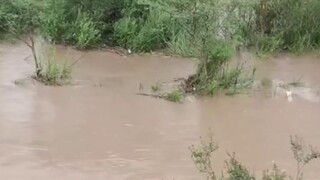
(100, 129)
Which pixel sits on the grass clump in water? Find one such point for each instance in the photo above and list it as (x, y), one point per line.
(175, 96)
(214, 73)
(157, 87)
(274, 174)
(52, 73)
(55, 74)
(296, 83)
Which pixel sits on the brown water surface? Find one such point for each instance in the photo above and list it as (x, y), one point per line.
(99, 128)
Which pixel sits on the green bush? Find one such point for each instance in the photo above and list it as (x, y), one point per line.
(18, 17)
(237, 171)
(54, 22)
(86, 33)
(268, 45)
(143, 25)
(143, 28)
(181, 43)
(70, 26)
(293, 20)
(83, 23)
(125, 31)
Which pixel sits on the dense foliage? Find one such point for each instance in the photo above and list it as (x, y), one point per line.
(146, 25)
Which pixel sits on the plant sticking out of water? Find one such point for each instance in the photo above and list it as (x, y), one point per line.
(296, 83)
(303, 154)
(236, 170)
(202, 157)
(52, 73)
(213, 73)
(266, 83)
(175, 96)
(157, 87)
(274, 174)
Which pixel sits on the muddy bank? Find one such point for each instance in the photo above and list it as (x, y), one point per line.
(100, 129)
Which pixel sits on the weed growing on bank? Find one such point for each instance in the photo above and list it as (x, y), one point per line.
(202, 157)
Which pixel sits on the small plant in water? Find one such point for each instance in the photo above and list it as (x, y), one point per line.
(295, 83)
(303, 154)
(52, 73)
(235, 170)
(202, 155)
(274, 174)
(267, 83)
(175, 96)
(157, 87)
(55, 74)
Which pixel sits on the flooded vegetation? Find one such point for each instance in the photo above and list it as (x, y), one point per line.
(100, 128)
(121, 89)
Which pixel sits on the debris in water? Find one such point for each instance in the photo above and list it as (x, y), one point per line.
(128, 125)
(289, 95)
(190, 98)
(140, 87)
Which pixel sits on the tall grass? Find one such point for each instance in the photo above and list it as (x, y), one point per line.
(267, 25)
(52, 72)
(86, 34)
(83, 23)
(144, 27)
(75, 26)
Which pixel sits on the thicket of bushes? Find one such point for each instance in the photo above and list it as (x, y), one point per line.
(146, 25)
(210, 30)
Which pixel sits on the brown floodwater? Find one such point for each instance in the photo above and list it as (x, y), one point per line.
(98, 128)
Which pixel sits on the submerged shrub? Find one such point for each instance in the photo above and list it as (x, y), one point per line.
(237, 171)
(53, 73)
(175, 96)
(274, 174)
(202, 157)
